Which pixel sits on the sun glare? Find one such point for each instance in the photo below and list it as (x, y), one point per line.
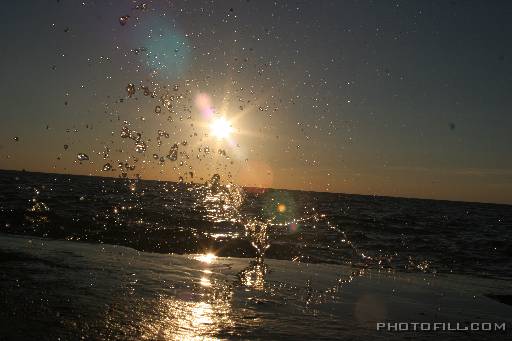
(221, 128)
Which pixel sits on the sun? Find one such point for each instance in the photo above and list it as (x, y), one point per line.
(221, 128)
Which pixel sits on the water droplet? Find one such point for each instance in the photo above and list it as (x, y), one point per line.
(167, 103)
(106, 153)
(176, 87)
(107, 167)
(155, 156)
(66, 147)
(15, 138)
(130, 89)
(82, 157)
(124, 19)
(141, 6)
(173, 153)
(158, 109)
(140, 147)
(125, 132)
(132, 134)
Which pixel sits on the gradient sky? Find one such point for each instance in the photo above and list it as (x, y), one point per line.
(401, 98)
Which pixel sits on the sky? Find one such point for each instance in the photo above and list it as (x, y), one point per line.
(399, 98)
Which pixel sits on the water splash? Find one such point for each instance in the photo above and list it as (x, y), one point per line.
(226, 203)
(254, 275)
(257, 232)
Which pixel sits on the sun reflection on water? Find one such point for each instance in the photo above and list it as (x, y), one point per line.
(205, 282)
(206, 258)
(188, 320)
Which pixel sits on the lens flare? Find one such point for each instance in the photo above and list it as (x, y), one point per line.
(203, 103)
(293, 228)
(280, 207)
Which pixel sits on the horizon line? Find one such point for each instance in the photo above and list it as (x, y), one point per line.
(263, 188)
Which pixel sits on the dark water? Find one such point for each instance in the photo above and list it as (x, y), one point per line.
(364, 231)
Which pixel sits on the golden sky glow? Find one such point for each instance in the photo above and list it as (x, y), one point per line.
(289, 107)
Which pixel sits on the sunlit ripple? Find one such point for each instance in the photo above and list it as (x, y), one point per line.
(205, 282)
(188, 320)
(206, 258)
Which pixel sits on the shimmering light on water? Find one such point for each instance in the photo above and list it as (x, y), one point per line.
(254, 275)
(206, 258)
(205, 282)
(177, 319)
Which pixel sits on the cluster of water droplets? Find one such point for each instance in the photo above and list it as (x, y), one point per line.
(126, 132)
(37, 213)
